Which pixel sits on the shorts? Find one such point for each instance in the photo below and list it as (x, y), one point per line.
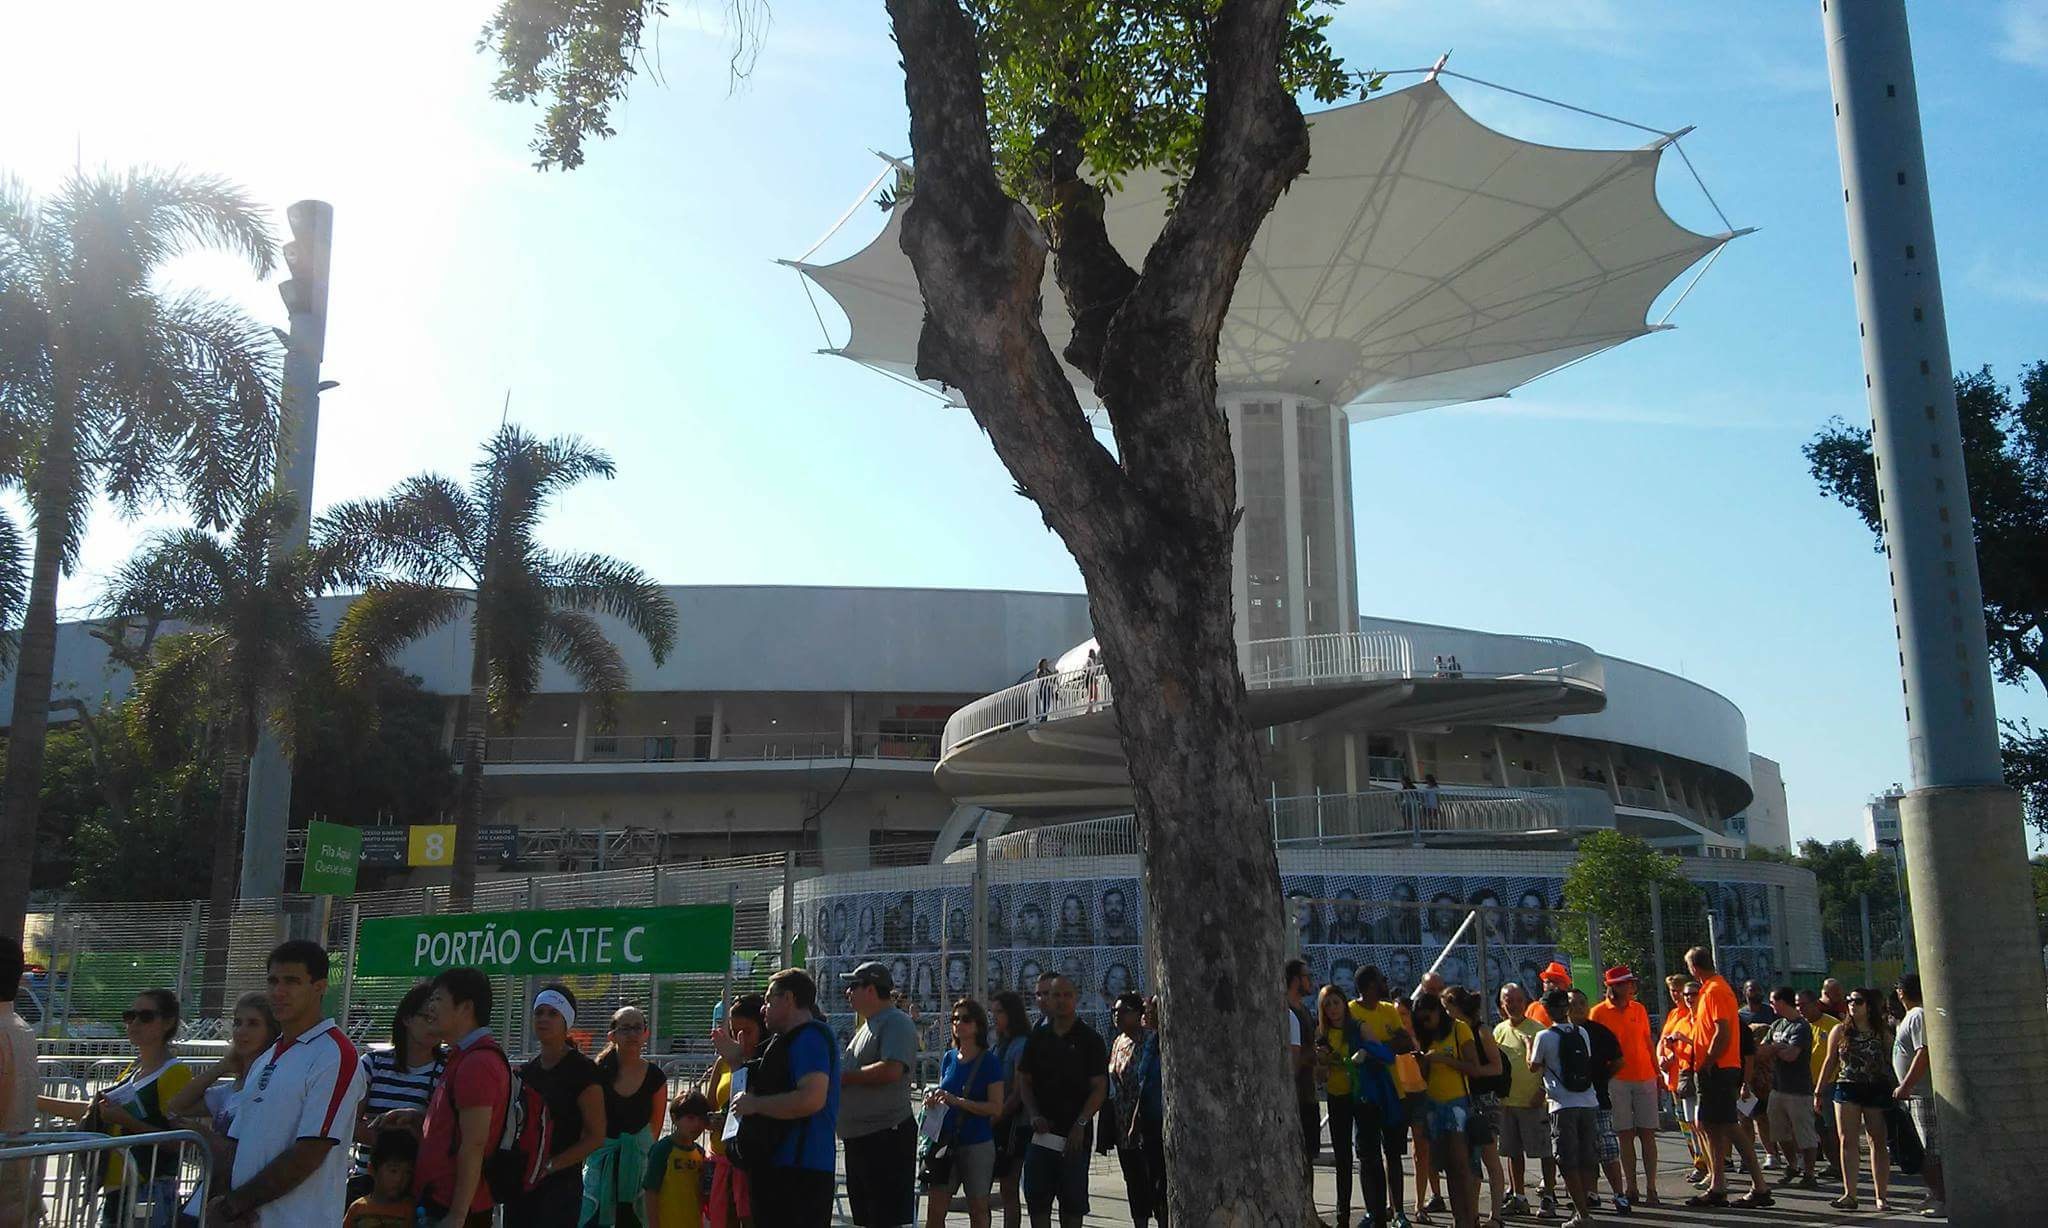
(1524, 1133)
(1635, 1104)
(1417, 1104)
(881, 1176)
(1720, 1088)
(1864, 1095)
(974, 1169)
(732, 1195)
(1610, 1142)
(1921, 1110)
(1790, 1115)
(1575, 1133)
(1447, 1128)
(1485, 1124)
(1055, 1176)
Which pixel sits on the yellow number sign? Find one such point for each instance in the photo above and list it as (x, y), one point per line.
(430, 844)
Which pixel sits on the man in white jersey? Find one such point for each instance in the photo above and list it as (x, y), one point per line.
(298, 1108)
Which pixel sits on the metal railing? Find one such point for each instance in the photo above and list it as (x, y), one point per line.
(70, 1180)
(1387, 814)
(735, 747)
(1311, 660)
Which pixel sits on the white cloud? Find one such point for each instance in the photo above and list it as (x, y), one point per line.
(2010, 277)
(2025, 26)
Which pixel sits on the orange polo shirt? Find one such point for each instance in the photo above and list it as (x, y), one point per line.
(1631, 1026)
(1677, 1040)
(1717, 1005)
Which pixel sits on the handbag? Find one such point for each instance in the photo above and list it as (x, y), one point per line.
(1408, 1078)
(935, 1155)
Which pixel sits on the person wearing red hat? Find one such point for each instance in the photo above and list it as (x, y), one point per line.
(1557, 976)
(1633, 1089)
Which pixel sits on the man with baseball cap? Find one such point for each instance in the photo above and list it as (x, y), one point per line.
(1633, 1090)
(874, 1108)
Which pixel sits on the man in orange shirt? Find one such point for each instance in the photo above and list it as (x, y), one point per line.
(1633, 1090)
(1717, 1024)
(1556, 976)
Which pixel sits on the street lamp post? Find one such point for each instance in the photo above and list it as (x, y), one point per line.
(1987, 1038)
(268, 809)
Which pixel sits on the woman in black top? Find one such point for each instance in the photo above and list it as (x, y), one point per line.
(635, 1097)
(569, 1083)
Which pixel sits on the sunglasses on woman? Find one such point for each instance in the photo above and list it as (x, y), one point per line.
(138, 1016)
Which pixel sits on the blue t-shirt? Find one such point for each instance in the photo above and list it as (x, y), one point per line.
(813, 1143)
(953, 1078)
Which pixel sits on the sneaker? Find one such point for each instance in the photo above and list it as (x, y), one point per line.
(1436, 1203)
(1758, 1197)
(1516, 1205)
(1593, 1202)
(1548, 1208)
(1935, 1209)
(1788, 1176)
(1809, 1183)
(1770, 1161)
(1401, 1219)
(1623, 1204)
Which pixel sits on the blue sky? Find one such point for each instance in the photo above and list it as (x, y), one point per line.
(1652, 503)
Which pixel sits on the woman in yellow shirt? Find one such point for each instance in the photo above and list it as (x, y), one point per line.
(1449, 1056)
(1333, 1071)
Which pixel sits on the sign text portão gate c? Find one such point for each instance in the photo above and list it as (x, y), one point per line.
(564, 942)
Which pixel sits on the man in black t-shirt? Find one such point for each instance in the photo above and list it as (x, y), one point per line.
(1606, 1059)
(1063, 1077)
(1789, 1050)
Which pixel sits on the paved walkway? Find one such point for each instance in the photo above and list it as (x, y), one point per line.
(1794, 1207)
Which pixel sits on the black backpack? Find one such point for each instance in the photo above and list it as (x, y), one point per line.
(761, 1136)
(1574, 1060)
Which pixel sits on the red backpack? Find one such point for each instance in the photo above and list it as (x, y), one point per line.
(515, 1165)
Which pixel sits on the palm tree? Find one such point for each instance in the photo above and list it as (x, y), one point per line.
(252, 639)
(452, 548)
(112, 386)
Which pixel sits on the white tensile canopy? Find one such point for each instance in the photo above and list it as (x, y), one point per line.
(1424, 259)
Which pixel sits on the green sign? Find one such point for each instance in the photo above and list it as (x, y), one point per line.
(559, 942)
(332, 852)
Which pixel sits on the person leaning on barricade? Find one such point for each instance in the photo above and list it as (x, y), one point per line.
(138, 1103)
(18, 1082)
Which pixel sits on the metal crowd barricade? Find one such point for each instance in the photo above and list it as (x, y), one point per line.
(58, 1180)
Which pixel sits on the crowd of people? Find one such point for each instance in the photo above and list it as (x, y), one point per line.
(1580, 1087)
(441, 1128)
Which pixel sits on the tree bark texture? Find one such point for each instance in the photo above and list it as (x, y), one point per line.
(227, 859)
(469, 795)
(1150, 529)
(33, 665)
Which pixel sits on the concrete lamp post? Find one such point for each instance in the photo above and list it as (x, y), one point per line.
(1987, 1036)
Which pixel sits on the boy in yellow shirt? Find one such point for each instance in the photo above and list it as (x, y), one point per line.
(678, 1175)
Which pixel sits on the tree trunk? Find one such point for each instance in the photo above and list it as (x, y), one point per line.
(227, 858)
(469, 796)
(22, 794)
(1151, 530)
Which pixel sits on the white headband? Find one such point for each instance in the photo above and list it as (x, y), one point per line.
(556, 999)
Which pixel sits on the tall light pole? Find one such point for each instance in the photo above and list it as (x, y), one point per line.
(307, 255)
(1987, 1037)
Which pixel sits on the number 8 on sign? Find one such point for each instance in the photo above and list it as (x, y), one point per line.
(430, 844)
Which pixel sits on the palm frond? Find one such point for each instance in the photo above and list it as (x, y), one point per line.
(616, 588)
(20, 224)
(13, 585)
(577, 641)
(178, 687)
(389, 615)
(425, 529)
(184, 574)
(518, 474)
(517, 624)
(196, 414)
(145, 216)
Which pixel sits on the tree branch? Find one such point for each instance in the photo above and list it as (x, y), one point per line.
(980, 261)
(1093, 276)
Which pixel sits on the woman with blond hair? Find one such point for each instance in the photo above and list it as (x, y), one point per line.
(1335, 1039)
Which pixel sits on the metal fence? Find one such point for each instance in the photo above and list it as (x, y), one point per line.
(79, 1180)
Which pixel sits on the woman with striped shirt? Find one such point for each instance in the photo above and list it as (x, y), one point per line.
(401, 1079)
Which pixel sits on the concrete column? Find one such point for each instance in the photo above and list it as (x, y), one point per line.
(1557, 758)
(1351, 764)
(846, 725)
(1987, 1036)
(1663, 793)
(1500, 760)
(1297, 563)
(582, 749)
(1345, 538)
(717, 725)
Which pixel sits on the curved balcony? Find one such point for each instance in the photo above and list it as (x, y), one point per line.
(1052, 739)
(1378, 816)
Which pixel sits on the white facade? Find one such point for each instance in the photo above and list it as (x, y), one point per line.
(1766, 823)
(1881, 832)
